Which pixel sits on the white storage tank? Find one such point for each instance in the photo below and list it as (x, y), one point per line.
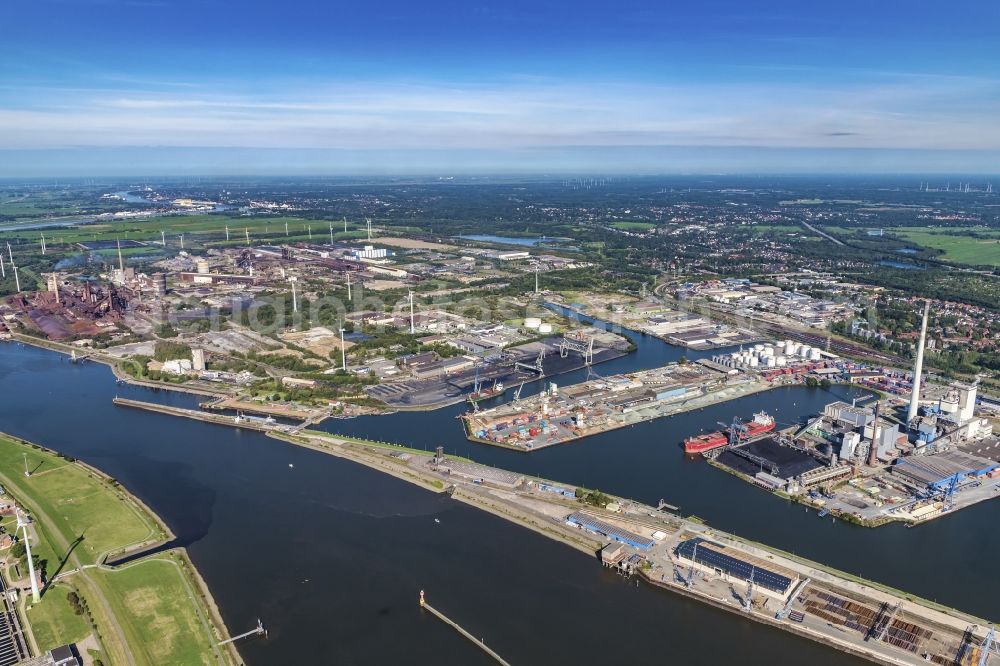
(814, 354)
(781, 361)
(545, 328)
(753, 362)
(758, 347)
(532, 322)
(770, 362)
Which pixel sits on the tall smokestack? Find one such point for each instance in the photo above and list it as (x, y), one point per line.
(121, 262)
(919, 367)
(873, 450)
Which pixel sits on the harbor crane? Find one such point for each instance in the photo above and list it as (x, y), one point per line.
(949, 495)
(533, 367)
(689, 582)
(748, 602)
(787, 608)
(888, 623)
(583, 345)
(517, 393)
(989, 646)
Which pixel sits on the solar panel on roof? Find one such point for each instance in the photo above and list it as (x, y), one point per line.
(733, 566)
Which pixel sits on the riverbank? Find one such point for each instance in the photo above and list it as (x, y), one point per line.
(113, 362)
(151, 610)
(533, 504)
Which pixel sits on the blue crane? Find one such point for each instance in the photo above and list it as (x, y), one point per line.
(949, 494)
(988, 646)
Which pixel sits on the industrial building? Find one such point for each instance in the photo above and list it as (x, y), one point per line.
(737, 567)
(937, 472)
(613, 532)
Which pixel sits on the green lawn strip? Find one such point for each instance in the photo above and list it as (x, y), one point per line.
(381, 445)
(54, 620)
(78, 501)
(157, 612)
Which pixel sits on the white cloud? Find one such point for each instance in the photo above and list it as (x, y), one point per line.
(935, 113)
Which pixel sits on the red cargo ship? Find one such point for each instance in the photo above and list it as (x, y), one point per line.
(761, 423)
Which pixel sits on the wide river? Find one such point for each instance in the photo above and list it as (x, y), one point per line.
(331, 555)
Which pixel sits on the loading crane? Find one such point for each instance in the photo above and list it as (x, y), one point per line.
(787, 608)
(888, 623)
(748, 602)
(949, 495)
(690, 577)
(989, 646)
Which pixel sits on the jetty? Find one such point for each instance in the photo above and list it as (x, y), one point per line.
(478, 642)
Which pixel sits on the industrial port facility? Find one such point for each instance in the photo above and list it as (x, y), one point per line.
(564, 414)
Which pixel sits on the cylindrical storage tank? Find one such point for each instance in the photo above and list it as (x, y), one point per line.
(805, 351)
(768, 351)
(814, 354)
(758, 347)
(792, 348)
(781, 361)
(532, 322)
(753, 362)
(545, 328)
(770, 362)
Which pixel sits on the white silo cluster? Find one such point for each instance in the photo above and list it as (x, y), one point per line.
(536, 324)
(766, 355)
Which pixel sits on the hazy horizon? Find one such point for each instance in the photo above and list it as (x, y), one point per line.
(148, 86)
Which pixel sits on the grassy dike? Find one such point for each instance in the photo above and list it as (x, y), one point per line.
(152, 611)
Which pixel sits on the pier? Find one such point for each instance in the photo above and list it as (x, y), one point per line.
(239, 421)
(259, 630)
(454, 625)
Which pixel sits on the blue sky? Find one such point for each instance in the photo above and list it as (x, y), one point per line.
(118, 86)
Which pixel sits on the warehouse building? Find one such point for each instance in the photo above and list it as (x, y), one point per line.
(737, 567)
(936, 472)
(613, 532)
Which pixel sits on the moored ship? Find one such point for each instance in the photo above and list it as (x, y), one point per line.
(761, 423)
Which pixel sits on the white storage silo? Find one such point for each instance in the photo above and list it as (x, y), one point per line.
(532, 322)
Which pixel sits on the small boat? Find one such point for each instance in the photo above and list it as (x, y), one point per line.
(291, 465)
(824, 513)
(436, 520)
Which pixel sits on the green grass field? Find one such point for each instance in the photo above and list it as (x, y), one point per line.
(54, 622)
(163, 625)
(958, 249)
(633, 226)
(153, 600)
(81, 503)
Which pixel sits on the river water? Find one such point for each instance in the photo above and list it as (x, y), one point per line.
(331, 555)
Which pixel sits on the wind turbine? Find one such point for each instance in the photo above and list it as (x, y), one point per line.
(295, 302)
(22, 524)
(343, 349)
(412, 331)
